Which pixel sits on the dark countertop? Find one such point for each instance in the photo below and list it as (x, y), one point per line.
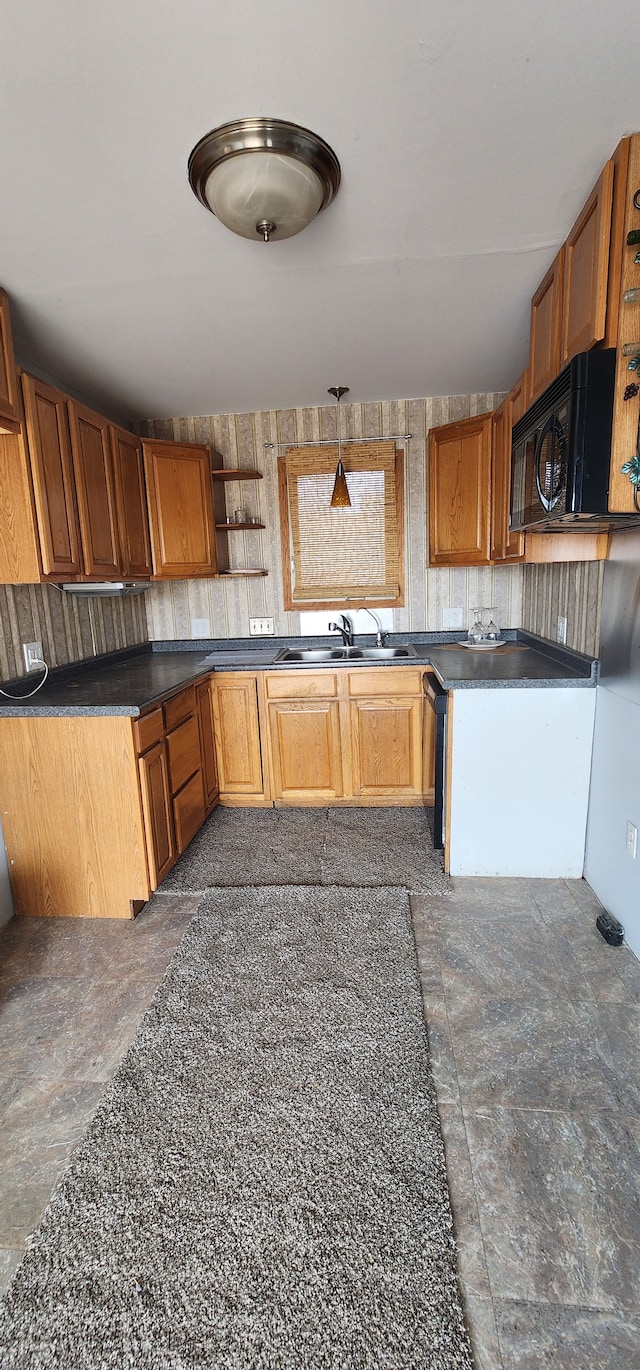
(132, 681)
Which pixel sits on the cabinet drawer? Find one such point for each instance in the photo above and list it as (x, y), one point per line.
(385, 680)
(183, 747)
(188, 811)
(148, 730)
(301, 684)
(179, 707)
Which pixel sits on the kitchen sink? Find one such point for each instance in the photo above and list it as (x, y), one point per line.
(323, 654)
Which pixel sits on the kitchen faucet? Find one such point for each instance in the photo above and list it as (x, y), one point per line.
(380, 636)
(346, 631)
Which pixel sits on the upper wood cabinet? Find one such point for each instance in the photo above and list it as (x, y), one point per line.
(505, 545)
(9, 397)
(181, 509)
(131, 503)
(546, 329)
(460, 492)
(91, 450)
(53, 478)
(586, 272)
(519, 396)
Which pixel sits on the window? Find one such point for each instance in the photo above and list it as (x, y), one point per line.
(334, 555)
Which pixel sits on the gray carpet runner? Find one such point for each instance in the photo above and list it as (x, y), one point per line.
(348, 847)
(263, 1184)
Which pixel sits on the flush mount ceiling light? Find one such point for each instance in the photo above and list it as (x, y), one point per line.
(340, 497)
(264, 177)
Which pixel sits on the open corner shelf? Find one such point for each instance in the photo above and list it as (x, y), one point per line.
(238, 527)
(244, 571)
(223, 527)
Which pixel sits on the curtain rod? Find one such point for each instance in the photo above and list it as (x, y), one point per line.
(333, 442)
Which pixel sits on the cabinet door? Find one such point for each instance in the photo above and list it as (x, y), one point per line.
(428, 754)
(9, 399)
(53, 480)
(586, 271)
(505, 545)
(306, 750)
(386, 747)
(546, 320)
(460, 493)
(131, 503)
(207, 744)
(181, 509)
(158, 818)
(95, 491)
(237, 733)
(519, 396)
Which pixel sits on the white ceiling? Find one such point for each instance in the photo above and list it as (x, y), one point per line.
(469, 135)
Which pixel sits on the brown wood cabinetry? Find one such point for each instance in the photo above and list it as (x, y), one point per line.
(204, 699)
(53, 479)
(158, 817)
(131, 501)
(586, 272)
(9, 398)
(237, 735)
(347, 737)
(92, 463)
(459, 493)
(505, 545)
(546, 329)
(181, 509)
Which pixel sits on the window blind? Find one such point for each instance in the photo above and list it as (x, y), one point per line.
(339, 554)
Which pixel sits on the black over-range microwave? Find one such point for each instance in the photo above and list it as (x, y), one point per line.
(561, 450)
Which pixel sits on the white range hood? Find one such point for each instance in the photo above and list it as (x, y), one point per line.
(101, 588)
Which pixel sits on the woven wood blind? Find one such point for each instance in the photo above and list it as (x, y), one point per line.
(340, 554)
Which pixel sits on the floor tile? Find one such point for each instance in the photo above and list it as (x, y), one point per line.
(534, 1335)
(443, 1064)
(522, 1053)
(615, 1032)
(65, 1029)
(559, 1205)
(494, 898)
(9, 1262)
(471, 1258)
(519, 958)
(43, 1119)
(481, 1323)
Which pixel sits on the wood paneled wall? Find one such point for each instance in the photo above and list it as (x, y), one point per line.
(69, 628)
(226, 606)
(568, 589)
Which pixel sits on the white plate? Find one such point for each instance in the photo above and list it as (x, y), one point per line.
(483, 646)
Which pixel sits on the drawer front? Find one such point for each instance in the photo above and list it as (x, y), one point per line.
(386, 680)
(179, 707)
(188, 811)
(183, 747)
(148, 730)
(301, 684)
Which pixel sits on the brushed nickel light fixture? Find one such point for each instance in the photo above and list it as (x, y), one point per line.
(264, 177)
(340, 497)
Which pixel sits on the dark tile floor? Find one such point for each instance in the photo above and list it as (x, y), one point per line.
(534, 1025)
(535, 1032)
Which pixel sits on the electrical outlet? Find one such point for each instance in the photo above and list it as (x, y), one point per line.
(32, 653)
(561, 630)
(632, 840)
(452, 618)
(200, 627)
(260, 627)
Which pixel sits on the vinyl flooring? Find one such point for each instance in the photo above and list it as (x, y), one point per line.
(534, 1028)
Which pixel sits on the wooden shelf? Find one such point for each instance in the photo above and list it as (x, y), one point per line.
(237, 475)
(229, 527)
(245, 571)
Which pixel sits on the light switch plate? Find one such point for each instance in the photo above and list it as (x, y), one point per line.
(561, 632)
(260, 627)
(32, 653)
(452, 618)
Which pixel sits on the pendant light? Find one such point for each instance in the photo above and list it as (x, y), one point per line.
(340, 497)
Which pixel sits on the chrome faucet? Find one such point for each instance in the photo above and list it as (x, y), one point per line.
(346, 631)
(380, 636)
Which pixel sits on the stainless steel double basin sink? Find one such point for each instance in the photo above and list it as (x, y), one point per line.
(319, 655)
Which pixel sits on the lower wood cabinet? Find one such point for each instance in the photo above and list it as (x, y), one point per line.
(204, 699)
(158, 818)
(348, 737)
(237, 739)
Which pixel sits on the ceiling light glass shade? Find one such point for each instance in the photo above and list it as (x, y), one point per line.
(264, 178)
(340, 497)
(264, 187)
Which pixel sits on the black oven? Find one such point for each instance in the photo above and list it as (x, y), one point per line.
(436, 699)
